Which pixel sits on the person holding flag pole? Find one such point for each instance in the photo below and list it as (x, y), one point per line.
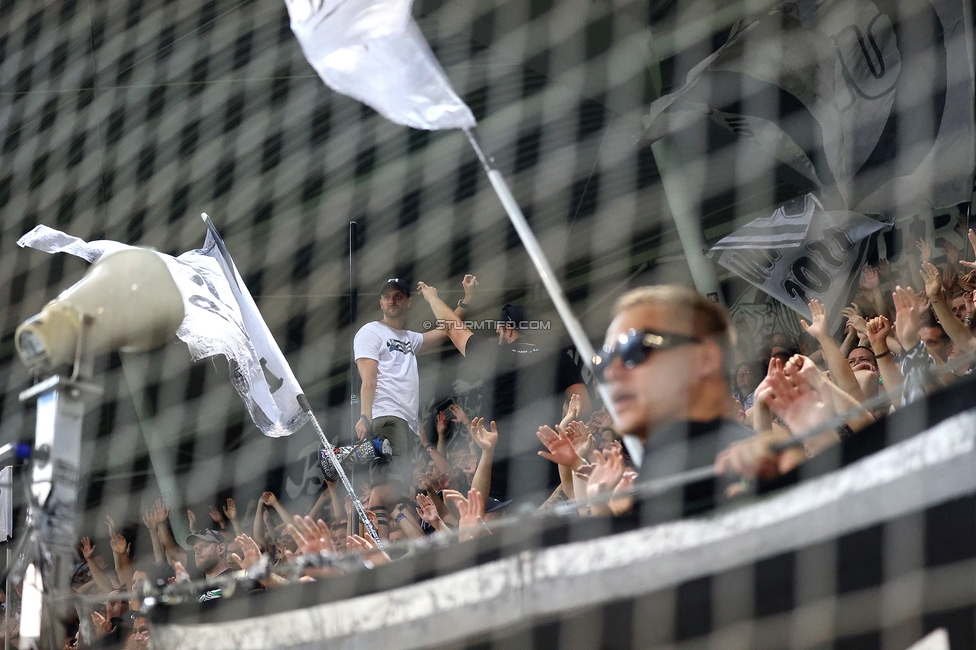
(374, 52)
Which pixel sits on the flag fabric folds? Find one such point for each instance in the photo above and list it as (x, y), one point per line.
(786, 227)
(373, 51)
(822, 266)
(871, 101)
(220, 317)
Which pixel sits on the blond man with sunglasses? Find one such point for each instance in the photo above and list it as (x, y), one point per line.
(666, 364)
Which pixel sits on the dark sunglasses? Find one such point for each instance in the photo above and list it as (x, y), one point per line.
(635, 346)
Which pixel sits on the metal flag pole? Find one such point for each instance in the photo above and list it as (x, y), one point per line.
(346, 483)
(353, 316)
(549, 280)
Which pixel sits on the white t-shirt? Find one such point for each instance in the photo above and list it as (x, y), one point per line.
(397, 381)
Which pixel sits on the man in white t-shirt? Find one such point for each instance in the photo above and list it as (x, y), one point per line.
(386, 355)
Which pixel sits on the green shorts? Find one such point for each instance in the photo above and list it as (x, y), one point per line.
(396, 471)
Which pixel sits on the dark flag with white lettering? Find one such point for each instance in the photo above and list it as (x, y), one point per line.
(872, 101)
(821, 266)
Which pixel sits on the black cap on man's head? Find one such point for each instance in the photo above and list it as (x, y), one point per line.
(395, 283)
(207, 535)
(514, 316)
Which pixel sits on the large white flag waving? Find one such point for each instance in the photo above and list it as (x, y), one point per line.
(220, 318)
(871, 101)
(373, 51)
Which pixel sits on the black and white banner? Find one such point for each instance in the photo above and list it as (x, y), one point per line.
(821, 266)
(219, 318)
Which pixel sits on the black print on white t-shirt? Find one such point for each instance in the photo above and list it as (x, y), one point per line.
(395, 345)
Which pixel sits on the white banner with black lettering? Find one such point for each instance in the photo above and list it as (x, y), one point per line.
(213, 324)
(822, 267)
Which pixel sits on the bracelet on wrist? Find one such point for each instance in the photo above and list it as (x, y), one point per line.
(886, 353)
(462, 304)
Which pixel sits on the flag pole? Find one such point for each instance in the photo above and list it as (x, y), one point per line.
(546, 273)
(330, 454)
(228, 270)
(353, 316)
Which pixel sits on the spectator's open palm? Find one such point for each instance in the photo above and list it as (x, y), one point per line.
(560, 448)
(485, 438)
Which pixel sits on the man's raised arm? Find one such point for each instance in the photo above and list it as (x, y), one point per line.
(448, 323)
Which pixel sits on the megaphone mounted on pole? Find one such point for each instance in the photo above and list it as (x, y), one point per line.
(127, 301)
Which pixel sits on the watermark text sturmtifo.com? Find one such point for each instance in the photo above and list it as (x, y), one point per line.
(488, 324)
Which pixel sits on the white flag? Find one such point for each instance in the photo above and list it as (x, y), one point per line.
(218, 319)
(823, 266)
(872, 102)
(373, 51)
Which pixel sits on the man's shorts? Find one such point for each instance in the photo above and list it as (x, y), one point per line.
(397, 471)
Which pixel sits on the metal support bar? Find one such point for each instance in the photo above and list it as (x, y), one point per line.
(54, 485)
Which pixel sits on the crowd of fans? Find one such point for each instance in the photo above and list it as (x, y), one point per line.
(910, 328)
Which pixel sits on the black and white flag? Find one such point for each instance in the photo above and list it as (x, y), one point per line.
(821, 266)
(872, 101)
(220, 317)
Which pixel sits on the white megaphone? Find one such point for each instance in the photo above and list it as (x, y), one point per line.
(126, 302)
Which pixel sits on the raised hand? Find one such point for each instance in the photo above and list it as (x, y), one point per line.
(441, 424)
(311, 536)
(217, 516)
(818, 328)
(573, 410)
(368, 548)
(119, 544)
(471, 512)
(426, 510)
(87, 549)
(560, 448)
(182, 575)
(192, 518)
(149, 520)
(468, 284)
(854, 319)
(607, 473)
(103, 624)
(972, 242)
(622, 500)
(933, 282)
(269, 499)
(583, 441)
(459, 414)
(807, 371)
(795, 401)
(160, 511)
(906, 317)
(231, 510)
(924, 250)
(427, 291)
(250, 550)
(878, 330)
(485, 438)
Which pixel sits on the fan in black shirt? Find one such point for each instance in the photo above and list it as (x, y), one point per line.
(521, 387)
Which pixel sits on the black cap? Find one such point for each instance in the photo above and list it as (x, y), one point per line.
(207, 535)
(395, 283)
(515, 315)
